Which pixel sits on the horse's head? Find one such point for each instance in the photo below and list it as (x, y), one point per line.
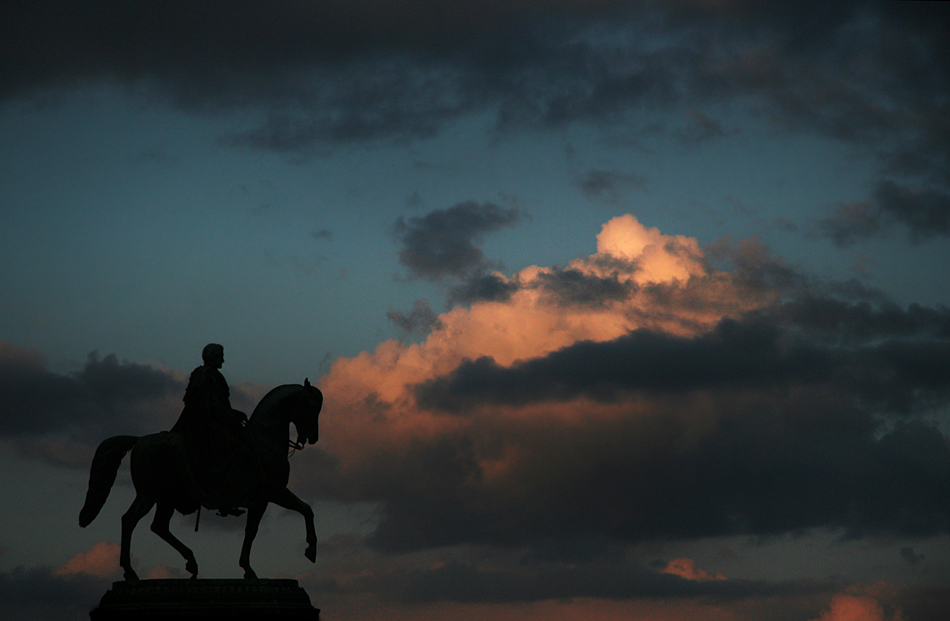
(305, 413)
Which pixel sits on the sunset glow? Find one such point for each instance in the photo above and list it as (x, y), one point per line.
(621, 310)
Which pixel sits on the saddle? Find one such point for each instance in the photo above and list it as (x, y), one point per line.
(222, 463)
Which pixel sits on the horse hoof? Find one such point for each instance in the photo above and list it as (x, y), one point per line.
(311, 553)
(130, 576)
(192, 568)
(250, 575)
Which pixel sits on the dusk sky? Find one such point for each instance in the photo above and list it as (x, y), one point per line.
(621, 310)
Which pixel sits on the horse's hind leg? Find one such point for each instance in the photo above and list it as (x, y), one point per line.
(163, 515)
(140, 507)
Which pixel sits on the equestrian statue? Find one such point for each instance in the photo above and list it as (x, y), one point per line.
(214, 457)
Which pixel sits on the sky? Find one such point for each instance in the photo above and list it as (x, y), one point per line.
(621, 309)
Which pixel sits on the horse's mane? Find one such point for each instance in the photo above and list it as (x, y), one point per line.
(272, 398)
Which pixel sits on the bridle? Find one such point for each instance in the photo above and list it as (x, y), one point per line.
(295, 446)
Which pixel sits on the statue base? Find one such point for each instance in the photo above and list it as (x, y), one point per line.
(180, 600)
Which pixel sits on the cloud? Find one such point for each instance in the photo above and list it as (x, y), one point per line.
(925, 213)
(732, 354)
(851, 608)
(609, 186)
(756, 353)
(101, 561)
(912, 558)
(866, 74)
(484, 574)
(361, 586)
(702, 128)
(326, 73)
(442, 243)
(851, 221)
(863, 603)
(588, 582)
(421, 319)
(38, 593)
(105, 394)
(686, 568)
(641, 393)
(574, 287)
(483, 288)
(61, 418)
(164, 572)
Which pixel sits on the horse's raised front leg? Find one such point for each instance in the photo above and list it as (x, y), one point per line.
(286, 499)
(140, 507)
(163, 515)
(254, 514)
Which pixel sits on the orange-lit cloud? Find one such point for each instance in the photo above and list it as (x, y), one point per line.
(541, 316)
(580, 609)
(101, 561)
(686, 568)
(659, 258)
(863, 603)
(162, 572)
(655, 281)
(638, 392)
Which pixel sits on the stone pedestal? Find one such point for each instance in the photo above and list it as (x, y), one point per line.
(180, 600)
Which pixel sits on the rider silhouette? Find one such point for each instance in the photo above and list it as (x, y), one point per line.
(213, 433)
(208, 395)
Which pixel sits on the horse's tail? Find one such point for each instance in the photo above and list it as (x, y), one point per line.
(105, 465)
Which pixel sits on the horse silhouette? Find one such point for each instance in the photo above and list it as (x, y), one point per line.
(162, 476)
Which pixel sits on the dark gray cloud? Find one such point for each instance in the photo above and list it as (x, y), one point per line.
(912, 558)
(565, 287)
(925, 603)
(482, 288)
(608, 185)
(895, 358)
(733, 355)
(442, 243)
(421, 319)
(851, 221)
(813, 413)
(586, 569)
(37, 593)
(570, 287)
(924, 213)
(859, 322)
(105, 396)
(354, 71)
(759, 474)
(62, 417)
(702, 128)
(871, 74)
(529, 578)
